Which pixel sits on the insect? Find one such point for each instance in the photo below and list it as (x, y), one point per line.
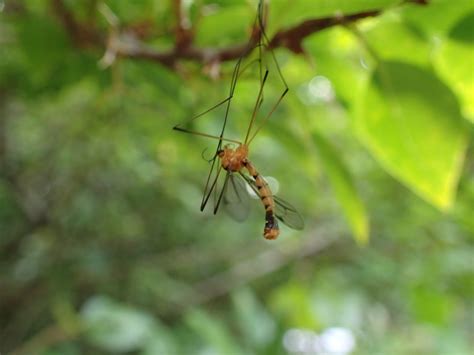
(232, 156)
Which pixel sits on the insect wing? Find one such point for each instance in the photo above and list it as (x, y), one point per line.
(286, 213)
(236, 199)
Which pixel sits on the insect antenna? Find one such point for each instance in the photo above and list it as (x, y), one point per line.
(204, 158)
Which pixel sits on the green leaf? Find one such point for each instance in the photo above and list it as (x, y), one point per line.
(115, 327)
(344, 189)
(338, 57)
(411, 123)
(410, 43)
(255, 323)
(438, 17)
(292, 302)
(463, 30)
(431, 307)
(162, 342)
(226, 25)
(454, 62)
(286, 13)
(212, 331)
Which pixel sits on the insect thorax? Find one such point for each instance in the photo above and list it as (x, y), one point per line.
(233, 159)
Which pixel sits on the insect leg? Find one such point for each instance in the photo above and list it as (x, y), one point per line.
(216, 207)
(210, 187)
(256, 107)
(268, 115)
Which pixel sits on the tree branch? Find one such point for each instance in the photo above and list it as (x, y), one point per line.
(127, 44)
(292, 38)
(183, 32)
(83, 35)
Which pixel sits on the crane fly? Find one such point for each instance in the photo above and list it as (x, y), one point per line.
(231, 158)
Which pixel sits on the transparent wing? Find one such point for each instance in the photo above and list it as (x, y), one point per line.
(284, 211)
(236, 199)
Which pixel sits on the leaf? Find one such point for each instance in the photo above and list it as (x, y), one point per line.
(286, 13)
(162, 342)
(115, 327)
(463, 30)
(212, 331)
(411, 45)
(411, 123)
(292, 303)
(459, 74)
(438, 17)
(339, 59)
(344, 189)
(431, 307)
(225, 26)
(256, 324)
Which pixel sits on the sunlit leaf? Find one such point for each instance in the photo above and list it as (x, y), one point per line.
(338, 57)
(454, 61)
(463, 30)
(411, 123)
(411, 45)
(438, 17)
(286, 13)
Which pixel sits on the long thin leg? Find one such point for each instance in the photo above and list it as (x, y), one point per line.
(256, 107)
(266, 42)
(249, 64)
(207, 192)
(206, 135)
(203, 113)
(268, 116)
(227, 100)
(216, 207)
(209, 187)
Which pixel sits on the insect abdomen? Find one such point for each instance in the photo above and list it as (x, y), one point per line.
(271, 230)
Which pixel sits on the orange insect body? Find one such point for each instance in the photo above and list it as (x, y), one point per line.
(234, 160)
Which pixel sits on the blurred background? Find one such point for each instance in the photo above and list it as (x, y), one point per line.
(103, 249)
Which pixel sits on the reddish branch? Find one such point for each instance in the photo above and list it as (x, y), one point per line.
(183, 32)
(292, 38)
(184, 49)
(82, 34)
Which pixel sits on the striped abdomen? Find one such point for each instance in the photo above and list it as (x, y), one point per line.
(271, 230)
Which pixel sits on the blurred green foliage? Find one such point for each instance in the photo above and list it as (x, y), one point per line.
(103, 248)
